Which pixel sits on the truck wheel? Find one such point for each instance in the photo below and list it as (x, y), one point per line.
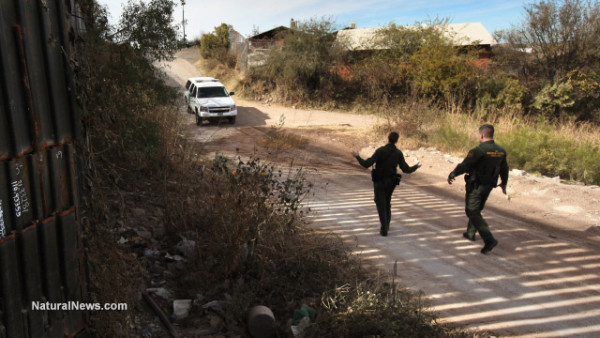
(198, 120)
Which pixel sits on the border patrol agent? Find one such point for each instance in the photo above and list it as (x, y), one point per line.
(385, 178)
(482, 165)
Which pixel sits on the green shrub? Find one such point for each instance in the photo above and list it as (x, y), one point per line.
(303, 69)
(586, 93)
(216, 44)
(543, 150)
(571, 152)
(501, 92)
(452, 134)
(553, 99)
(437, 71)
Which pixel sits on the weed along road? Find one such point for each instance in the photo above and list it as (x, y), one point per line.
(542, 280)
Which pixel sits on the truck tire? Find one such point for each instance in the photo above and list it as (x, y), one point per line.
(198, 119)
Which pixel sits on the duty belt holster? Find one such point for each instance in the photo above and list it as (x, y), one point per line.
(471, 182)
(377, 175)
(398, 178)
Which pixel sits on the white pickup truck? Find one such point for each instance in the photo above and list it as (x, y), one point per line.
(209, 100)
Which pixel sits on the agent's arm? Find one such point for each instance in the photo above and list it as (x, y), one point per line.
(469, 162)
(365, 163)
(405, 167)
(503, 175)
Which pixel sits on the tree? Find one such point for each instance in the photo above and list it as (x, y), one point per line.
(402, 42)
(438, 71)
(563, 36)
(422, 61)
(148, 28)
(383, 68)
(222, 34)
(558, 53)
(305, 64)
(216, 44)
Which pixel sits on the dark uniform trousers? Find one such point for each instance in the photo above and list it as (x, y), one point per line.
(383, 200)
(474, 203)
(387, 159)
(484, 164)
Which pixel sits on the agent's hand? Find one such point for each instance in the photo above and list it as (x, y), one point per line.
(418, 164)
(451, 178)
(354, 153)
(503, 187)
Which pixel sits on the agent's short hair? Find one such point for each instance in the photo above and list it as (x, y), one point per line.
(487, 130)
(393, 137)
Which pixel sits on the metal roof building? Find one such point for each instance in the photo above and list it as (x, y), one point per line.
(461, 34)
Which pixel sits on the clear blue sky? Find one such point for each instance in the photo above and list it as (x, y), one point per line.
(246, 15)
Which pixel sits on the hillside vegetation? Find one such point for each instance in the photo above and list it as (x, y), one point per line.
(235, 224)
(146, 189)
(541, 86)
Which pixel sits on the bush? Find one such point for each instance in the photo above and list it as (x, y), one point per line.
(304, 69)
(453, 133)
(586, 95)
(543, 150)
(216, 45)
(501, 92)
(562, 36)
(244, 215)
(554, 99)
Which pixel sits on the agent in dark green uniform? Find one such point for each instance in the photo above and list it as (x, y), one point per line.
(386, 158)
(482, 165)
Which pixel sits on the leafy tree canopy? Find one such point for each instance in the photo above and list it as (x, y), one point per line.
(215, 43)
(149, 29)
(563, 36)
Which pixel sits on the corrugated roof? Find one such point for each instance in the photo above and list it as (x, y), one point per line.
(462, 34)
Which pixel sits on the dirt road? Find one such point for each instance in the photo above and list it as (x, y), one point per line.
(542, 280)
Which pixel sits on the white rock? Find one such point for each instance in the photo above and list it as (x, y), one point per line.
(517, 172)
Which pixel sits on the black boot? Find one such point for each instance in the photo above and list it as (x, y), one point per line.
(489, 245)
(466, 235)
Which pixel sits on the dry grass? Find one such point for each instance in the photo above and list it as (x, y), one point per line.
(213, 68)
(569, 150)
(251, 246)
(278, 140)
(254, 249)
(580, 132)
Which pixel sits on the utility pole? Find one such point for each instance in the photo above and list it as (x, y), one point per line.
(183, 18)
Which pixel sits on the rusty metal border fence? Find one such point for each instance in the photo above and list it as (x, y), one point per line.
(40, 246)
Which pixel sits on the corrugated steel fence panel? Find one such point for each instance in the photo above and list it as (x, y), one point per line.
(40, 246)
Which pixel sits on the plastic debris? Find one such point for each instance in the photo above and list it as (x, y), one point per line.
(181, 308)
(161, 292)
